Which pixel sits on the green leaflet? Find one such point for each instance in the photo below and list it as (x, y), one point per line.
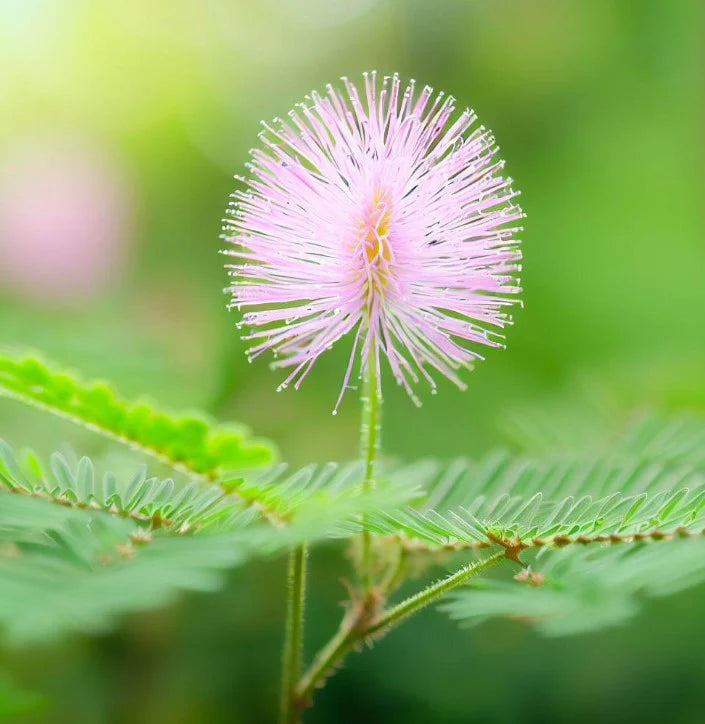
(675, 438)
(583, 589)
(46, 496)
(191, 442)
(82, 577)
(147, 501)
(534, 504)
(597, 531)
(77, 549)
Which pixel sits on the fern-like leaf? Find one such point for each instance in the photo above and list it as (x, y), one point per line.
(521, 503)
(191, 442)
(571, 591)
(76, 550)
(594, 532)
(151, 502)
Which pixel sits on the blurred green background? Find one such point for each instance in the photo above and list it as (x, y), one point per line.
(121, 125)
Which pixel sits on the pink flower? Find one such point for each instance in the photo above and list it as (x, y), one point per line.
(383, 217)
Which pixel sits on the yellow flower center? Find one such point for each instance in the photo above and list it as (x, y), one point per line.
(376, 240)
(374, 229)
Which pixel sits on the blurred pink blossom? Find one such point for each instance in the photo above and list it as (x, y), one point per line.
(64, 221)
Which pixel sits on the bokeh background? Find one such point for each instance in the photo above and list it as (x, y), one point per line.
(121, 125)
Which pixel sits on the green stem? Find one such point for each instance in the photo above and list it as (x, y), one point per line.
(420, 600)
(332, 653)
(355, 627)
(370, 435)
(289, 713)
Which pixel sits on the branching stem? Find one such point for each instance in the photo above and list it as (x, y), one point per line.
(289, 713)
(356, 627)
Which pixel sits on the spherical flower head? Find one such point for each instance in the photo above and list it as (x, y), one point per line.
(380, 215)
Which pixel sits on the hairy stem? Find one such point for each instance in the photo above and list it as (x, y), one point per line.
(370, 435)
(289, 713)
(327, 658)
(428, 595)
(357, 626)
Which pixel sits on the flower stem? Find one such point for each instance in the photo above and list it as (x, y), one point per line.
(370, 437)
(289, 713)
(357, 627)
